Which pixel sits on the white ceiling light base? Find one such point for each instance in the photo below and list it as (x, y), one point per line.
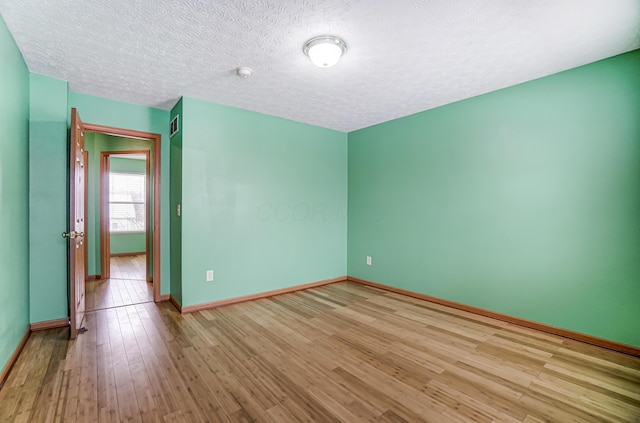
(325, 51)
(244, 72)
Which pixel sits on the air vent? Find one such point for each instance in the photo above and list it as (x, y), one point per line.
(174, 126)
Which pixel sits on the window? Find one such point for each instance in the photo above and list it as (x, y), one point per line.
(127, 202)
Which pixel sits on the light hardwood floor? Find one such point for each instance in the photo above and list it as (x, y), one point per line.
(129, 267)
(128, 285)
(341, 352)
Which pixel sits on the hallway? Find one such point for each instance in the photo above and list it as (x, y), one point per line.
(126, 286)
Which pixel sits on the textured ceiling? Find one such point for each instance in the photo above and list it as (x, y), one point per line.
(403, 56)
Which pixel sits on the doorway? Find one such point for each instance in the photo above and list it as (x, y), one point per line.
(123, 250)
(123, 225)
(125, 205)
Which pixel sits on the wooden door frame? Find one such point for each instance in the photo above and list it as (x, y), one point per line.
(105, 233)
(85, 155)
(156, 140)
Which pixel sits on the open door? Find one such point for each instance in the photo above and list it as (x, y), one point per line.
(76, 232)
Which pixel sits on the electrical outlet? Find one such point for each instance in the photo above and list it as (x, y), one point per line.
(209, 275)
(368, 260)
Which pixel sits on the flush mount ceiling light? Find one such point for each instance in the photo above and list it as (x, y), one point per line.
(325, 51)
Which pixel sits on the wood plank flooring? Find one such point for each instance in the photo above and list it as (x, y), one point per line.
(341, 352)
(129, 267)
(127, 286)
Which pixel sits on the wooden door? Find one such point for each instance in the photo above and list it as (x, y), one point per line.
(77, 244)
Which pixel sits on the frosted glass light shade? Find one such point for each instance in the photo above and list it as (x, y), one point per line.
(325, 51)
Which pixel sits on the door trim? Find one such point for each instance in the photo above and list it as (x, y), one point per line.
(85, 155)
(156, 139)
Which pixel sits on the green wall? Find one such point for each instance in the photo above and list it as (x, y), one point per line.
(263, 202)
(117, 114)
(175, 199)
(92, 217)
(130, 242)
(524, 201)
(48, 192)
(14, 196)
(136, 242)
(95, 143)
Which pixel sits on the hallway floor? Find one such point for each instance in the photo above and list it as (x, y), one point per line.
(127, 285)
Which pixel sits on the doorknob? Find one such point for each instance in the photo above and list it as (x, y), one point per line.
(72, 234)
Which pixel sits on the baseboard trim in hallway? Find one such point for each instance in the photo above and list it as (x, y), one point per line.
(128, 254)
(565, 333)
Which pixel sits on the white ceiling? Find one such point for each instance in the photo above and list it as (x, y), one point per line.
(403, 56)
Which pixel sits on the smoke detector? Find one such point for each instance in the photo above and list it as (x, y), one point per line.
(244, 72)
